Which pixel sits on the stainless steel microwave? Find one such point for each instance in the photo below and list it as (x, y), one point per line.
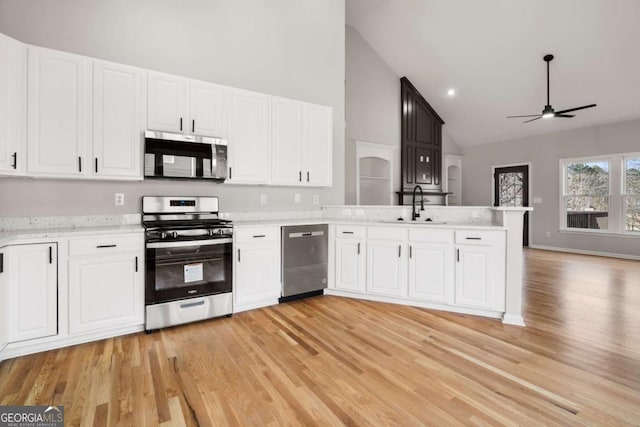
(177, 156)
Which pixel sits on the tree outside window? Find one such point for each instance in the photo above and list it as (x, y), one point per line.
(632, 193)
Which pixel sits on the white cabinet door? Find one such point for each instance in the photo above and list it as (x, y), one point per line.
(430, 272)
(167, 106)
(13, 101)
(4, 304)
(318, 144)
(249, 137)
(257, 275)
(58, 113)
(349, 265)
(207, 110)
(286, 142)
(33, 285)
(105, 292)
(386, 268)
(118, 119)
(474, 276)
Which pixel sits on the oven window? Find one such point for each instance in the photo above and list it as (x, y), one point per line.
(190, 266)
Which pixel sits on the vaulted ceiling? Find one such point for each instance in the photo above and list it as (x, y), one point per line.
(491, 53)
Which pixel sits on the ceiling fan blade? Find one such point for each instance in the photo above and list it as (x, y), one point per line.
(575, 109)
(563, 115)
(537, 118)
(517, 117)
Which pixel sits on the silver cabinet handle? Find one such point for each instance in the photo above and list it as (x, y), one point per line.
(136, 264)
(410, 251)
(347, 232)
(358, 248)
(399, 251)
(259, 235)
(473, 238)
(238, 254)
(458, 255)
(106, 246)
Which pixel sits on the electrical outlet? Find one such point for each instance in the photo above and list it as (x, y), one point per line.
(537, 200)
(263, 199)
(359, 212)
(316, 199)
(548, 234)
(346, 212)
(296, 197)
(119, 199)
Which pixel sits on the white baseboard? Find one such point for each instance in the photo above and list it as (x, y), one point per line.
(510, 319)
(584, 252)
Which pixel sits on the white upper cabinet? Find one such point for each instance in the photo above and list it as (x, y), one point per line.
(286, 142)
(207, 109)
(13, 98)
(58, 113)
(301, 143)
(318, 143)
(178, 104)
(249, 136)
(118, 119)
(167, 107)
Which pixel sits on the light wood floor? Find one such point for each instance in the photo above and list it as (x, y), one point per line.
(332, 361)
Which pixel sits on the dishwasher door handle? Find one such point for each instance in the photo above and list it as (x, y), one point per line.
(306, 234)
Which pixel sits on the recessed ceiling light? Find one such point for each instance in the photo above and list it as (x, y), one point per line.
(451, 92)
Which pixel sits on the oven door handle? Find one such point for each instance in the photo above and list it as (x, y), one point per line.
(158, 245)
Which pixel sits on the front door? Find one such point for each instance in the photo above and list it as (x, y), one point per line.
(511, 188)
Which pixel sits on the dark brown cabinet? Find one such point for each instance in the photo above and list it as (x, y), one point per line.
(421, 145)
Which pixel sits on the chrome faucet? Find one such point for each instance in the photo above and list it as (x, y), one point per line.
(415, 214)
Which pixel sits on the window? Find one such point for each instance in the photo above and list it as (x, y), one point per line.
(601, 194)
(632, 193)
(586, 196)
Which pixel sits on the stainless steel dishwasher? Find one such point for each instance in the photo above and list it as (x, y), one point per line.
(304, 261)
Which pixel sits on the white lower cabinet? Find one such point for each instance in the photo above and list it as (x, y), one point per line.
(32, 276)
(387, 261)
(463, 270)
(4, 304)
(480, 270)
(431, 265)
(256, 268)
(105, 292)
(350, 259)
(106, 282)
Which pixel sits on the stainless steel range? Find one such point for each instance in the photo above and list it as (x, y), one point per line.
(188, 260)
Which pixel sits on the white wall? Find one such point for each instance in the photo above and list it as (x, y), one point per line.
(289, 48)
(544, 152)
(373, 108)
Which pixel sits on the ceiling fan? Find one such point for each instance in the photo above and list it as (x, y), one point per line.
(548, 110)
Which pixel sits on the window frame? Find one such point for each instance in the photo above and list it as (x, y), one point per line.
(624, 193)
(616, 197)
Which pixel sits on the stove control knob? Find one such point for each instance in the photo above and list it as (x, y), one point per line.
(163, 235)
(221, 231)
(211, 232)
(174, 234)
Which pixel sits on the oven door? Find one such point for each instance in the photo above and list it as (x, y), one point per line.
(185, 269)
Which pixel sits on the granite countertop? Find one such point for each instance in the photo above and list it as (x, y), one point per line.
(364, 222)
(7, 237)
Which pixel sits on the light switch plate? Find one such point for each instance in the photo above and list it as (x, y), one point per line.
(316, 199)
(296, 197)
(537, 200)
(119, 199)
(263, 199)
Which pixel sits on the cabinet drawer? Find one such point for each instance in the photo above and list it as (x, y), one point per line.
(485, 238)
(431, 236)
(257, 235)
(105, 244)
(348, 231)
(386, 233)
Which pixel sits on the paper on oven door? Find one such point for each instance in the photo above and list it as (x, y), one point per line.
(193, 273)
